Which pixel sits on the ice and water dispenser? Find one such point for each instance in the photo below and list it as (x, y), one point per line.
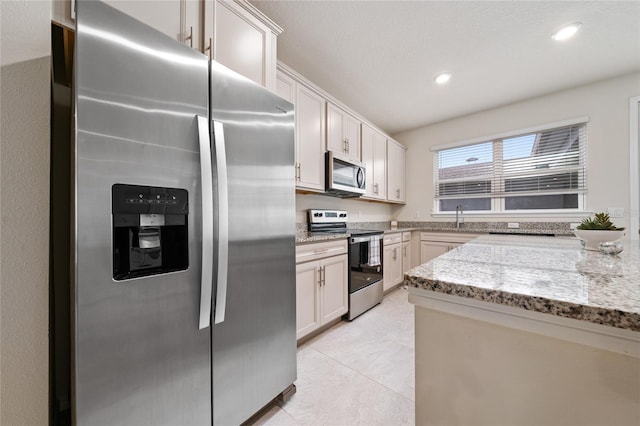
(150, 233)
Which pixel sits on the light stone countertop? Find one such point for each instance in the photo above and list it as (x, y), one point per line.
(552, 275)
(304, 237)
(531, 228)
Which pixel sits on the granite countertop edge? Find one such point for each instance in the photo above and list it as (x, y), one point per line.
(598, 315)
(304, 237)
(611, 299)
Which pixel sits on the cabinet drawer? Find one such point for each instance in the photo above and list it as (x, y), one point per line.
(448, 237)
(313, 251)
(392, 238)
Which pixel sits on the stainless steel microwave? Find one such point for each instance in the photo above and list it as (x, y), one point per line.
(344, 177)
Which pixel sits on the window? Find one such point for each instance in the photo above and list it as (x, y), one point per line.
(537, 170)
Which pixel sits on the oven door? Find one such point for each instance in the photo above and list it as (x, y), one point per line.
(365, 261)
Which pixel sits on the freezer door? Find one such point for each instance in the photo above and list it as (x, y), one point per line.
(254, 337)
(139, 355)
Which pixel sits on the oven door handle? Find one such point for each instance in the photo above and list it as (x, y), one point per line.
(355, 240)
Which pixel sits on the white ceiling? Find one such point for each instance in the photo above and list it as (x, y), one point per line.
(380, 57)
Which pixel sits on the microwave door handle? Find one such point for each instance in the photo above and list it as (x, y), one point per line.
(223, 222)
(360, 178)
(206, 177)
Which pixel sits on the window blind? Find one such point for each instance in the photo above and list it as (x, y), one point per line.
(543, 170)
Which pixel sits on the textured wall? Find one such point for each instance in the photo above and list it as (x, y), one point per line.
(607, 105)
(24, 242)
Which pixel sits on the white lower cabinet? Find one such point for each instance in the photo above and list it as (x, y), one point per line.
(406, 252)
(392, 274)
(321, 285)
(434, 244)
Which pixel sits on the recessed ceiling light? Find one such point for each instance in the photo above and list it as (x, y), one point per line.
(566, 32)
(443, 78)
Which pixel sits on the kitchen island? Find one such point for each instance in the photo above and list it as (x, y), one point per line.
(527, 330)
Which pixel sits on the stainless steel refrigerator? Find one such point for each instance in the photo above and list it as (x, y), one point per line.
(183, 294)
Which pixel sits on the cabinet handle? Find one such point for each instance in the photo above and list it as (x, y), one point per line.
(318, 251)
(348, 146)
(398, 193)
(297, 171)
(210, 48)
(190, 38)
(395, 253)
(404, 251)
(375, 188)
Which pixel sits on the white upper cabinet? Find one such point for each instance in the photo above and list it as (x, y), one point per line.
(243, 39)
(310, 122)
(168, 17)
(343, 132)
(374, 155)
(233, 33)
(396, 185)
(182, 20)
(286, 87)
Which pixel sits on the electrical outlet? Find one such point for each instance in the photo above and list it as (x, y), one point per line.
(513, 225)
(616, 211)
(416, 214)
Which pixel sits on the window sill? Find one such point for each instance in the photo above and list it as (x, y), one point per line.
(541, 214)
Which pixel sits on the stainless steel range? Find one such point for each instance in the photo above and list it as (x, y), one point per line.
(365, 258)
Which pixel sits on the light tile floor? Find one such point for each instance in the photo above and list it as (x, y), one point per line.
(356, 373)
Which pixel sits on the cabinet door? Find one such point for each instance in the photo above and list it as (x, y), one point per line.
(245, 43)
(374, 155)
(334, 288)
(406, 257)
(432, 249)
(167, 16)
(307, 298)
(367, 154)
(336, 141)
(351, 130)
(395, 172)
(310, 132)
(286, 87)
(380, 166)
(392, 261)
(343, 132)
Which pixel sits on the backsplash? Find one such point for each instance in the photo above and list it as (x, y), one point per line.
(561, 228)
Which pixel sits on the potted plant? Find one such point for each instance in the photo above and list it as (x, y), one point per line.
(596, 230)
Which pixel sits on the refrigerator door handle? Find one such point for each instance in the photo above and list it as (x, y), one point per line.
(223, 222)
(206, 174)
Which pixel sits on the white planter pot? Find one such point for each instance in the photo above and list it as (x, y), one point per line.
(593, 237)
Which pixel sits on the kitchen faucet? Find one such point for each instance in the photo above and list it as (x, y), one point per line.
(459, 215)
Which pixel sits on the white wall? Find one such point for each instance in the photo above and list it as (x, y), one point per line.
(24, 212)
(359, 210)
(607, 105)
